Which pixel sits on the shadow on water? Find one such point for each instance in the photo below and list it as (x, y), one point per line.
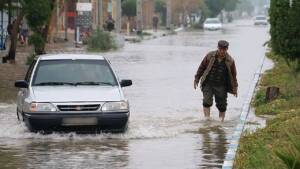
(213, 148)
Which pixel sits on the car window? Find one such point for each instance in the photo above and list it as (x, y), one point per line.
(260, 18)
(212, 21)
(29, 71)
(74, 71)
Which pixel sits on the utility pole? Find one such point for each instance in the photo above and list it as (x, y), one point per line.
(66, 6)
(139, 11)
(118, 15)
(57, 16)
(169, 14)
(100, 13)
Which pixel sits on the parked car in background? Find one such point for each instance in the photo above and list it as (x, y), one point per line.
(72, 92)
(260, 20)
(212, 24)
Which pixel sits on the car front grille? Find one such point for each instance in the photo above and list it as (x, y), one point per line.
(89, 107)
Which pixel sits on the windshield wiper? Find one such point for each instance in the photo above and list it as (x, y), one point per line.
(94, 83)
(54, 84)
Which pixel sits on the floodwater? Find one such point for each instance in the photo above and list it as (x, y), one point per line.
(167, 128)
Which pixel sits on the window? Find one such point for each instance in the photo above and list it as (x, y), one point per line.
(74, 71)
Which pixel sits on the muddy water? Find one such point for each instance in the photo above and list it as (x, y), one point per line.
(167, 128)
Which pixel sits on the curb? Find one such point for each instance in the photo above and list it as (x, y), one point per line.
(235, 138)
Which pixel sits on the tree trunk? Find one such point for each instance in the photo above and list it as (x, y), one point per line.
(272, 93)
(14, 38)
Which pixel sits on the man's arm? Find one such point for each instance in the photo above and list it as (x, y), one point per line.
(200, 71)
(235, 83)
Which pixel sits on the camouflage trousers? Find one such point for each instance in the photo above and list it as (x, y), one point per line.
(219, 93)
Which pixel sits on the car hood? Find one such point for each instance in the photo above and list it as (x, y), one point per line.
(76, 93)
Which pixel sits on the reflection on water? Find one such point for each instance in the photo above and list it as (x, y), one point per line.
(68, 154)
(213, 147)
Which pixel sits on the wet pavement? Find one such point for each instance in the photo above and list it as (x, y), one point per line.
(167, 128)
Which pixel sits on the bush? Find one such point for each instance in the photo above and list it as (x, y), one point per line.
(101, 41)
(30, 59)
(285, 29)
(38, 42)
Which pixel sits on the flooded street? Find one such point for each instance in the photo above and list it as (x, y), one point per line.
(167, 128)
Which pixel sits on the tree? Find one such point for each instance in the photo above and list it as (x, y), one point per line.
(129, 8)
(231, 5)
(38, 13)
(10, 5)
(245, 6)
(160, 7)
(285, 30)
(215, 6)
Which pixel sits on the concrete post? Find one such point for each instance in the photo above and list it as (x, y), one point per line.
(169, 14)
(139, 11)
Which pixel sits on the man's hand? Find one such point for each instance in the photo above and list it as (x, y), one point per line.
(195, 84)
(235, 93)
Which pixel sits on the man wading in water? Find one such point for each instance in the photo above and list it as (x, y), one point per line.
(217, 72)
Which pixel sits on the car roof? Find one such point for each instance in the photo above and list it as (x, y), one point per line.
(71, 56)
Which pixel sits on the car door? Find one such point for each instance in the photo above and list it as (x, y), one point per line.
(23, 93)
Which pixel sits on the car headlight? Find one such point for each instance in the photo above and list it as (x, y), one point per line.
(42, 107)
(122, 106)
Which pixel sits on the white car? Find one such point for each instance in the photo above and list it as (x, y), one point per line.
(72, 91)
(212, 24)
(260, 20)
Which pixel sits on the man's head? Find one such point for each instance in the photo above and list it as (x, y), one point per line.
(223, 47)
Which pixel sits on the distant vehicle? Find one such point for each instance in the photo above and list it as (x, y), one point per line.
(212, 24)
(67, 91)
(260, 20)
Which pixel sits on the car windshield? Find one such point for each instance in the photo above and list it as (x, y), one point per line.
(212, 21)
(260, 18)
(73, 72)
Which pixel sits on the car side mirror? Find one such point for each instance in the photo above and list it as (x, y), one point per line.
(125, 83)
(21, 84)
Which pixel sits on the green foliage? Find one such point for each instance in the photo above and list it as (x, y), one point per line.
(37, 40)
(160, 7)
(129, 8)
(30, 59)
(231, 5)
(38, 13)
(215, 6)
(283, 77)
(285, 30)
(101, 41)
(257, 150)
(260, 98)
(291, 155)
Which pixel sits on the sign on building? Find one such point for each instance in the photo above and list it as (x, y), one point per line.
(83, 6)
